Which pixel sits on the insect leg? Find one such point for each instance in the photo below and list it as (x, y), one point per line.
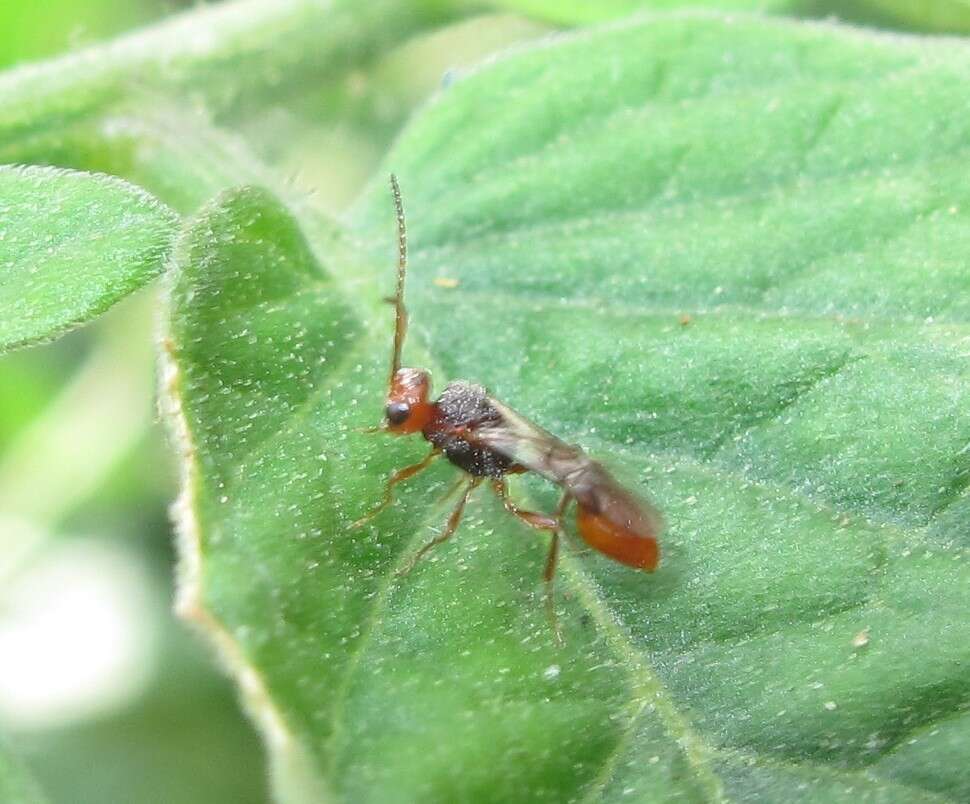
(449, 530)
(541, 522)
(549, 573)
(397, 477)
(459, 482)
(531, 518)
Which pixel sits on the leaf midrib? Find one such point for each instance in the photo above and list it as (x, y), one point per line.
(646, 686)
(837, 774)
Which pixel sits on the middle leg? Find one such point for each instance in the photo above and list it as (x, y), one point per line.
(449, 530)
(397, 477)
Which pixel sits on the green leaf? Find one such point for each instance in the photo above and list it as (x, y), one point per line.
(71, 245)
(16, 785)
(728, 257)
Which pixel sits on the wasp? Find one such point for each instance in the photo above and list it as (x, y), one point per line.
(488, 441)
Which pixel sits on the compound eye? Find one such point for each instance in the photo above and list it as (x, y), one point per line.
(397, 412)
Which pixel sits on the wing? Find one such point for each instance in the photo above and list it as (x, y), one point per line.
(611, 518)
(527, 444)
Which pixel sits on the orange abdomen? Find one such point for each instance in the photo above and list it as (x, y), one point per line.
(629, 542)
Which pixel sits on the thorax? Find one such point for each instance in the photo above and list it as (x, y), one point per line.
(459, 411)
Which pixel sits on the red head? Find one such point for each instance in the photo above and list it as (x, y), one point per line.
(408, 409)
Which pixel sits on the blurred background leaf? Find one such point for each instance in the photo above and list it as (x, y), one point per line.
(16, 784)
(945, 16)
(34, 30)
(578, 12)
(942, 16)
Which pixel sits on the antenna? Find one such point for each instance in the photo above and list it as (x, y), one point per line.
(401, 322)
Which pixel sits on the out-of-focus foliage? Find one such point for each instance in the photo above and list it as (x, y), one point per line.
(578, 12)
(33, 30)
(946, 16)
(16, 786)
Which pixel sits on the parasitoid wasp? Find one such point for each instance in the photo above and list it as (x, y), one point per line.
(488, 440)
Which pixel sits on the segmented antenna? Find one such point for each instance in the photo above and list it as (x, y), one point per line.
(401, 318)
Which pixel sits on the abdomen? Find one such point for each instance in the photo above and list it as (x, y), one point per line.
(621, 540)
(614, 521)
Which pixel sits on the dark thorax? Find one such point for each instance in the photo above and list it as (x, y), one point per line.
(462, 408)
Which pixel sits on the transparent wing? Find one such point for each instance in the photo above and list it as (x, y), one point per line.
(528, 444)
(588, 481)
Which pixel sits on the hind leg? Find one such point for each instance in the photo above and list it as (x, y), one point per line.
(549, 574)
(531, 518)
(541, 522)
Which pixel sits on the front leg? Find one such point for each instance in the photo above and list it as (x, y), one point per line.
(397, 477)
